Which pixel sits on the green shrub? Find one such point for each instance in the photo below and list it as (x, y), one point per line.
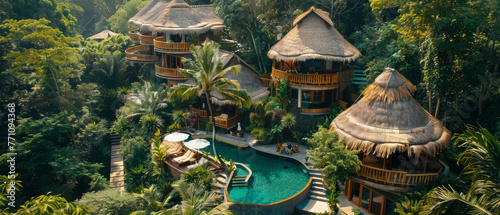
(110, 201)
(135, 151)
(174, 127)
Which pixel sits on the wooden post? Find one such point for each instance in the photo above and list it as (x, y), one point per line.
(300, 98)
(425, 163)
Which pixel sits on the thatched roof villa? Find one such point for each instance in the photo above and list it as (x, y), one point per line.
(398, 141)
(166, 30)
(102, 35)
(317, 61)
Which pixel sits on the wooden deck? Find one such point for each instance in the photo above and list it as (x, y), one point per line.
(132, 55)
(170, 47)
(116, 179)
(170, 73)
(393, 177)
(226, 123)
(306, 78)
(202, 113)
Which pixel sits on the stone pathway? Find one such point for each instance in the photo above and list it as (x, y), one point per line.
(116, 179)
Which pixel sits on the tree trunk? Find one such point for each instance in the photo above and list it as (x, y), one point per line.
(209, 103)
(437, 106)
(256, 51)
(430, 97)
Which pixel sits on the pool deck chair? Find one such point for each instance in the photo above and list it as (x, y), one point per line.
(186, 155)
(200, 163)
(190, 157)
(176, 149)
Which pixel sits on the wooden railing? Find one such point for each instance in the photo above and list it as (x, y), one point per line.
(134, 36)
(266, 79)
(315, 110)
(168, 72)
(225, 123)
(146, 39)
(131, 56)
(202, 113)
(309, 79)
(170, 47)
(395, 177)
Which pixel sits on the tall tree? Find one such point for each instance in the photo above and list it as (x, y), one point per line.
(207, 74)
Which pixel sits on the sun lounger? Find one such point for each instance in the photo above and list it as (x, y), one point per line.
(189, 158)
(200, 163)
(187, 154)
(174, 150)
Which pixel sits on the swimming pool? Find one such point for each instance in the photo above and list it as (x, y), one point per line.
(274, 178)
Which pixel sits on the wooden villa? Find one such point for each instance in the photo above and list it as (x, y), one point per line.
(398, 142)
(102, 35)
(316, 60)
(167, 28)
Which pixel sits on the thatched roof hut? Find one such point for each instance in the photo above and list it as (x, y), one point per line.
(248, 78)
(313, 37)
(177, 17)
(388, 119)
(102, 35)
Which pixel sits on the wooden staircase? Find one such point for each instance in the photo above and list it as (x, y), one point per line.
(116, 179)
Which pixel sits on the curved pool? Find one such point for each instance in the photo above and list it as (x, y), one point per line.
(274, 178)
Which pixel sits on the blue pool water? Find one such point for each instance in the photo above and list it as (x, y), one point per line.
(274, 178)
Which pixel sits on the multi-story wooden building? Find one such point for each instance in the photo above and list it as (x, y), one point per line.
(316, 60)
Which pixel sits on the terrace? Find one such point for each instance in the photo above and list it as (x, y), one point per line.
(137, 54)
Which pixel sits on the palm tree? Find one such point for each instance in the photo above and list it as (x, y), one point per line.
(197, 201)
(112, 67)
(262, 114)
(481, 159)
(149, 105)
(207, 74)
(154, 199)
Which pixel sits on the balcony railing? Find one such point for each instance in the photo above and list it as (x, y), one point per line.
(172, 73)
(202, 113)
(266, 79)
(146, 39)
(130, 54)
(226, 123)
(134, 36)
(401, 178)
(162, 46)
(306, 79)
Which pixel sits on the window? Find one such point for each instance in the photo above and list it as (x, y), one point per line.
(369, 199)
(376, 207)
(295, 94)
(355, 192)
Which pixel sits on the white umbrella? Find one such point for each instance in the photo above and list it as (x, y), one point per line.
(239, 127)
(197, 144)
(176, 137)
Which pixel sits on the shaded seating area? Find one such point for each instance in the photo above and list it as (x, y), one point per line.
(287, 148)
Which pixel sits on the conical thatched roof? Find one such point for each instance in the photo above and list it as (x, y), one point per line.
(177, 17)
(248, 78)
(102, 35)
(389, 119)
(313, 37)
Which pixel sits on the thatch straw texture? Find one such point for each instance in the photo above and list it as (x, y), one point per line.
(248, 78)
(177, 17)
(313, 37)
(102, 35)
(389, 119)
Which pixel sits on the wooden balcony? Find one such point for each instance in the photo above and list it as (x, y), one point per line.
(146, 39)
(202, 113)
(131, 55)
(226, 123)
(315, 111)
(161, 46)
(266, 79)
(134, 36)
(170, 73)
(306, 79)
(393, 177)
